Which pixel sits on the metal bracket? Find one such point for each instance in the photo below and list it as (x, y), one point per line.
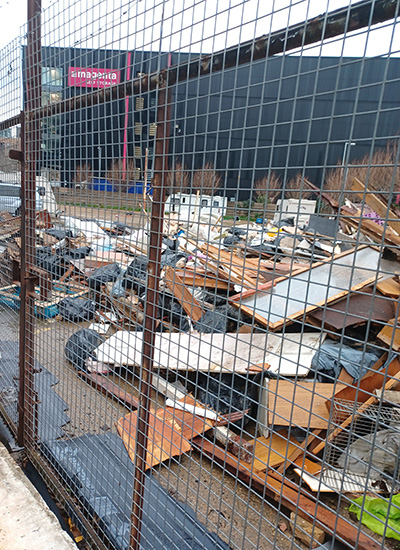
(16, 155)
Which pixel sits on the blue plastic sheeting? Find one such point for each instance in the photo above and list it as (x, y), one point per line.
(100, 185)
(132, 188)
(100, 472)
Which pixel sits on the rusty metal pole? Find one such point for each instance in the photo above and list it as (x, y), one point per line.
(31, 139)
(22, 311)
(156, 232)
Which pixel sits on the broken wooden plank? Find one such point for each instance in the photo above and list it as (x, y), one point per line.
(311, 438)
(380, 234)
(183, 295)
(377, 205)
(169, 433)
(194, 278)
(362, 390)
(230, 276)
(390, 335)
(389, 287)
(106, 386)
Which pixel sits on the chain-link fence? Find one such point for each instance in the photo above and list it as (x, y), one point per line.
(199, 241)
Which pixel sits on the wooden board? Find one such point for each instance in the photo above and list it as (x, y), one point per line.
(377, 205)
(389, 287)
(377, 232)
(230, 352)
(183, 295)
(107, 386)
(300, 404)
(326, 282)
(169, 434)
(271, 452)
(390, 335)
(194, 278)
(373, 380)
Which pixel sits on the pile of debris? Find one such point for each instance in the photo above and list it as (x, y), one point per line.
(277, 326)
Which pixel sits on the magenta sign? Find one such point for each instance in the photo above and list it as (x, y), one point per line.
(86, 77)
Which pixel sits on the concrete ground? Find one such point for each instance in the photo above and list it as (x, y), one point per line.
(26, 523)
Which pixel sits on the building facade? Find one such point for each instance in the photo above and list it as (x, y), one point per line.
(288, 114)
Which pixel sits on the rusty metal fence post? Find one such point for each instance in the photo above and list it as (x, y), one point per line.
(30, 152)
(156, 233)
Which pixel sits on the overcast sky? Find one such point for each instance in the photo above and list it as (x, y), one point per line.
(202, 25)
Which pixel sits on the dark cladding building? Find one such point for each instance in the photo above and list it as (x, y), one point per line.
(286, 113)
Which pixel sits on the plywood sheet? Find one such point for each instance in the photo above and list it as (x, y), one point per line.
(169, 434)
(164, 440)
(272, 451)
(355, 310)
(327, 281)
(301, 404)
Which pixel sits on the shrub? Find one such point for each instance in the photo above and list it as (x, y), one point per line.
(120, 176)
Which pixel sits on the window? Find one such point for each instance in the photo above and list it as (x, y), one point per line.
(51, 97)
(52, 77)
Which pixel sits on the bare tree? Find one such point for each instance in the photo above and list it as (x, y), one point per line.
(268, 188)
(207, 180)
(83, 172)
(295, 188)
(379, 173)
(121, 173)
(178, 180)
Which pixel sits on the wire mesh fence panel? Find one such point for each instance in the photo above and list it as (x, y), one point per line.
(10, 221)
(210, 263)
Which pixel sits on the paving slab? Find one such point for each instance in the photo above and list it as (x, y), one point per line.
(26, 523)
